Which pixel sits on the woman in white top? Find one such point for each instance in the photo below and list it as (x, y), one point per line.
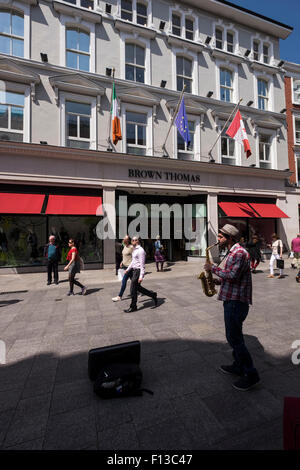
(276, 254)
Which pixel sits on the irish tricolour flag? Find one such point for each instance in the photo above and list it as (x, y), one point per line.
(237, 131)
(116, 126)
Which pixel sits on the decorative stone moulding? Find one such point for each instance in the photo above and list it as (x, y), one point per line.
(77, 12)
(130, 28)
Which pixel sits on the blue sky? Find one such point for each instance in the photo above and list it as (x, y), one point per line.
(285, 11)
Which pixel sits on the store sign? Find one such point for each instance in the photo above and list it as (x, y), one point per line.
(163, 175)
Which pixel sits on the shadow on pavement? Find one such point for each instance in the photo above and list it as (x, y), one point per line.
(4, 303)
(14, 292)
(47, 401)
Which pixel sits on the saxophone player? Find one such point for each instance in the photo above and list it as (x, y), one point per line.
(236, 294)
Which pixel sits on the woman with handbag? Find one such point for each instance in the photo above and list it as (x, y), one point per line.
(159, 254)
(126, 260)
(73, 267)
(276, 246)
(253, 247)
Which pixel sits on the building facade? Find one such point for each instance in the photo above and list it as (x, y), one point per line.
(61, 174)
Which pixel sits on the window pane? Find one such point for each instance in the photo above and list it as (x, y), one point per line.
(5, 45)
(222, 76)
(223, 94)
(11, 136)
(72, 125)
(84, 42)
(141, 135)
(126, 5)
(129, 72)
(17, 118)
(219, 34)
(14, 98)
(3, 116)
(176, 20)
(179, 65)
(84, 127)
(187, 68)
(179, 83)
(130, 133)
(189, 24)
(140, 55)
(126, 16)
(84, 62)
(141, 20)
(129, 53)
(18, 47)
(140, 75)
(78, 144)
(87, 4)
(17, 25)
(267, 152)
(180, 142)
(72, 60)
(136, 117)
(141, 9)
(224, 146)
(188, 85)
(78, 108)
(231, 147)
(72, 39)
(5, 22)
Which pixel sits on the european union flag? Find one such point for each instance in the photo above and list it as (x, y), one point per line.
(182, 123)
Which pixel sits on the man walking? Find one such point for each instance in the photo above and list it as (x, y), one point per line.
(236, 294)
(295, 245)
(52, 254)
(137, 266)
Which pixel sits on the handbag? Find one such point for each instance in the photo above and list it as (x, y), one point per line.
(280, 263)
(121, 273)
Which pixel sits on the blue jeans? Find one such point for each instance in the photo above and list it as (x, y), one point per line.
(124, 282)
(235, 312)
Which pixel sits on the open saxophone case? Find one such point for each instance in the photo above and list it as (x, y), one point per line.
(115, 370)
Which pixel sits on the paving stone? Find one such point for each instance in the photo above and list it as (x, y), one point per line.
(169, 435)
(122, 437)
(71, 396)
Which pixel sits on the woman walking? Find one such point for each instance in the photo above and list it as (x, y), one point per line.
(253, 247)
(276, 246)
(126, 260)
(158, 254)
(73, 267)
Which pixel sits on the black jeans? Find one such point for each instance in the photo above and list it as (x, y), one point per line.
(73, 281)
(235, 312)
(52, 266)
(136, 287)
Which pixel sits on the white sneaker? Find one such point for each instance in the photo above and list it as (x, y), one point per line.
(116, 299)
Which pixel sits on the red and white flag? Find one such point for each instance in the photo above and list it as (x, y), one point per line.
(237, 131)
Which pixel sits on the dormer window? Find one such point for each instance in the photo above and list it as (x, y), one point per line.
(219, 38)
(126, 10)
(176, 25)
(141, 14)
(189, 29)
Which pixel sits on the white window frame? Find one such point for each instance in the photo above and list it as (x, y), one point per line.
(296, 118)
(149, 129)
(78, 52)
(225, 86)
(93, 122)
(197, 147)
(237, 148)
(75, 22)
(269, 79)
(148, 3)
(261, 42)
(184, 14)
(25, 89)
(297, 159)
(142, 42)
(134, 64)
(190, 56)
(265, 98)
(189, 18)
(24, 10)
(233, 68)
(273, 147)
(226, 28)
(293, 80)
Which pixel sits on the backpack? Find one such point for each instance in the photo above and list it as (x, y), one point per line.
(119, 380)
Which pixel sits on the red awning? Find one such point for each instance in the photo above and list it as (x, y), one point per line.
(12, 203)
(237, 209)
(74, 205)
(268, 211)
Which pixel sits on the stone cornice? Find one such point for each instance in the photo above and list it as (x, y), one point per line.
(182, 43)
(131, 28)
(227, 56)
(8, 149)
(75, 11)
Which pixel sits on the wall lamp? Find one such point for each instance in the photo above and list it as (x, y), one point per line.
(247, 52)
(44, 57)
(249, 103)
(283, 110)
(209, 94)
(108, 72)
(280, 64)
(162, 25)
(253, 165)
(163, 83)
(207, 40)
(108, 8)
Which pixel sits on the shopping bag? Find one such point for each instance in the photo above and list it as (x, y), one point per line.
(280, 263)
(121, 273)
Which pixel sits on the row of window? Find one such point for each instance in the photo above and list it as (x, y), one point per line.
(78, 123)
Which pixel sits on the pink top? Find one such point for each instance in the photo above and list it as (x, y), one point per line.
(296, 245)
(138, 260)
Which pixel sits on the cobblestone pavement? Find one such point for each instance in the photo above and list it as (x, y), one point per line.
(47, 400)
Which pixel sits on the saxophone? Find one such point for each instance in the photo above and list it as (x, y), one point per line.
(208, 283)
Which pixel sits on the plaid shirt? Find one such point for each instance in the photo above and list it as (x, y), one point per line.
(236, 282)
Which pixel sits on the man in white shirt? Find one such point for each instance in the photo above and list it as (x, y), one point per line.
(137, 266)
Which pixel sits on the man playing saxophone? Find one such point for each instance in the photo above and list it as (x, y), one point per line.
(236, 294)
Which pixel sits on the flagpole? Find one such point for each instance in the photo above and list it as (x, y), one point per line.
(110, 146)
(209, 153)
(174, 116)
